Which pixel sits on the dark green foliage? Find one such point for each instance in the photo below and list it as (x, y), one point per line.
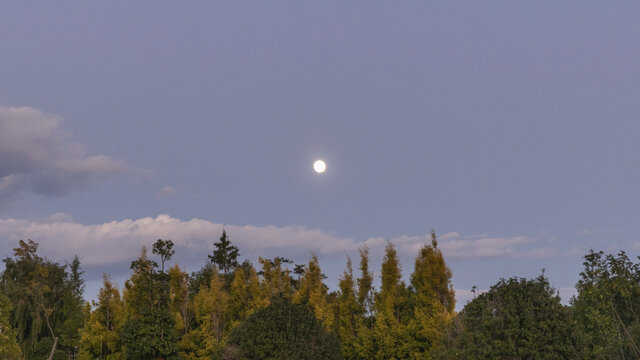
(515, 319)
(608, 306)
(150, 330)
(282, 331)
(146, 337)
(164, 248)
(225, 256)
(47, 302)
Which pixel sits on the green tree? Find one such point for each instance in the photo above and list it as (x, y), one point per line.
(163, 248)
(9, 348)
(515, 319)
(225, 256)
(40, 292)
(607, 306)
(149, 331)
(282, 331)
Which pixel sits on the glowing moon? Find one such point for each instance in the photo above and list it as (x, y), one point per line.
(319, 166)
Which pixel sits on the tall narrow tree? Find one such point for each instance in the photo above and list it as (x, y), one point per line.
(225, 256)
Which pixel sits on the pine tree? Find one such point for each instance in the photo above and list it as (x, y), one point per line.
(225, 256)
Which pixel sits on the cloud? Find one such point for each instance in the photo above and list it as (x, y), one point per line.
(167, 192)
(120, 241)
(37, 156)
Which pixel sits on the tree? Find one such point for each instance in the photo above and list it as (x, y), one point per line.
(73, 308)
(607, 306)
(432, 297)
(100, 337)
(245, 293)
(39, 292)
(181, 302)
(149, 331)
(9, 348)
(365, 283)
(225, 256)
(282, 330)
(163, 248)
(313, 291)
(211, 306)
(516, 318)
(390, 336)
(350, 314)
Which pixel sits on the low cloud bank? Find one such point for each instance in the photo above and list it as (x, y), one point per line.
(119, 241)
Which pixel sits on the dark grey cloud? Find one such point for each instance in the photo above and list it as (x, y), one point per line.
(37, 155)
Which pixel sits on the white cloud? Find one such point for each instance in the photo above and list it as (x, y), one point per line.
(119, 241)
(36, 155)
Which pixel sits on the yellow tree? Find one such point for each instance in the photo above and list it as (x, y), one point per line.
(314, 291)
(390, 333)
(180, 301)
(9, 348)
(211, 306)
(245, 293)
(350, 314)
(276, 281)
(433, 297)
(100, 336)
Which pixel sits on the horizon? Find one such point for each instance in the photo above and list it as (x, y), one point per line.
(509, 128)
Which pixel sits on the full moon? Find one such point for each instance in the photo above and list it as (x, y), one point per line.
(319, 166)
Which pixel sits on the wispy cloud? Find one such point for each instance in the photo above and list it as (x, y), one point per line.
(168, 191)
(36, 155)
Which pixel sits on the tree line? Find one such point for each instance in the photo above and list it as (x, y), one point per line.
(278, 310)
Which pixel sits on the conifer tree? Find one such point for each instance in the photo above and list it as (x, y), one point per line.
(365, 283)
(390, 334)
(433, 298)
(314, 292)
(350, 314)
(225, 256)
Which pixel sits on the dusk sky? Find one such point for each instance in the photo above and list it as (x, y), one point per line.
(511, 128)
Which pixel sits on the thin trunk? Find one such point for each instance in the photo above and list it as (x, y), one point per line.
(55, 338)
(53, 348)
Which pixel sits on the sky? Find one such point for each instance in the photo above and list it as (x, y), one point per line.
(511, 128)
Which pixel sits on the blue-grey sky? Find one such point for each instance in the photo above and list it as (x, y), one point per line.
(509, 127)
